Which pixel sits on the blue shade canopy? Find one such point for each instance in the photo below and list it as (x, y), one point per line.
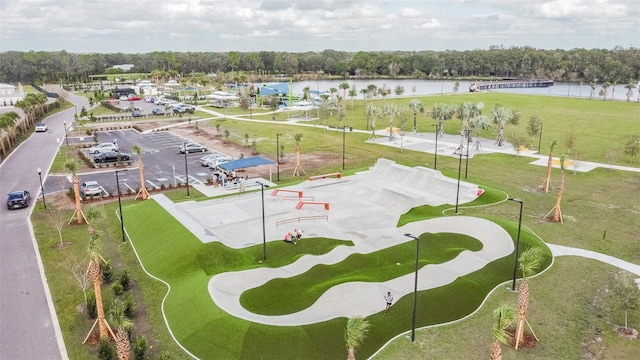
(245, 163)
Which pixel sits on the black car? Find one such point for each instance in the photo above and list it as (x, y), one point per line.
(18, 199)
(110, 156)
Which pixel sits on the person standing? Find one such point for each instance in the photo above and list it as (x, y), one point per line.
(389, 299)
(242, 180)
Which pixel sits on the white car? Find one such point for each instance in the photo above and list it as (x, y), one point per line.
(104, 147)
(219, 161)
(41, 127)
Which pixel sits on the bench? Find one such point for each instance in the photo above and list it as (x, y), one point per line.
(276, 191)
(336, 175)
(301, 203)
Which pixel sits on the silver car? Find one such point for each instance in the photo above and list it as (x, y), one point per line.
(104, 147)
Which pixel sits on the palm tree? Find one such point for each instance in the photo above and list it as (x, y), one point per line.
(605, 86)
(353, 92)
(143, 186)
(357, 328)
(95, 273)
(117, 317)
(630, 86)
(554, 142)
(502, 116)
(8, 126)
(557, 213)
(530, 260)
(593, 88)
(416, 106)
(72, 166)
(442, 112)
(306, 94)
(613, 89)
(298, 170)
(479, 123)
(344, 86)
(373, 113)
(392, 110)
(503, 317)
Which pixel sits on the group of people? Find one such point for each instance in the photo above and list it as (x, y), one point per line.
(220, 178)
(293, 237)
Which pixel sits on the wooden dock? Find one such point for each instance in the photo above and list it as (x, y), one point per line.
(511, 83)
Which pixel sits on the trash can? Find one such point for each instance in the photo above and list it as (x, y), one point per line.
(350, 128)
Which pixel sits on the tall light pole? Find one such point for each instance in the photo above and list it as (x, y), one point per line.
(540, 139)
(458, 189)
(515, 266)
(120, 203)
(278, 154)
(264, 231)
(66, 138)
(44, 202)
(415, 288)
(186, 168)
(466, 161)
(344, 128)
(435, 153)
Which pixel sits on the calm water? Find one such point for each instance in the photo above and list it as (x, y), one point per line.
(435, 87)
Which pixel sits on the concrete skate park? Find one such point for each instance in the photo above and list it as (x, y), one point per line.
(363, 208)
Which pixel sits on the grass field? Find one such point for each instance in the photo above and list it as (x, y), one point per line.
(569, 307)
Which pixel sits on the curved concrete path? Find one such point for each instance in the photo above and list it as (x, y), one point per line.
(361, 298)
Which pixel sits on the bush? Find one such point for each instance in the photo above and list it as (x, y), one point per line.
(124, 280)
(107, 271)
(139, 348)
(105, 351)
(130, 307)
(92, 310)
(117, 289)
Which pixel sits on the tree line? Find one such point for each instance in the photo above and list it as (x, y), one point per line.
(618, 65)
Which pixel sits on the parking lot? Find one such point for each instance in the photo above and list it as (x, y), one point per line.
(163, 163)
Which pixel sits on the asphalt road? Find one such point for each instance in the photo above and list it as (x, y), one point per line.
(28, 325)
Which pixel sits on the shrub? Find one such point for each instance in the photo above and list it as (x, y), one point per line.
(105, 351)
(92, 310)
(107, 271)
(124, 280)
(117, 289)
(130, 306)
(162, 186)
(139, 348)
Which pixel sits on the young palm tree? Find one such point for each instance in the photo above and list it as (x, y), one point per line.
(530, 260)
(442, 112)
(479, 123)
(143, 186)
(416, 107)
(373, 113)
(392, 110)
(554, 142)
(95, 273)
(298, 170)
(630, 86)
(344, 86)
(353, 92)
(117, 316)
(72, 166)
(557, 213)
(503, 317)
(502, 116)
(355, 333)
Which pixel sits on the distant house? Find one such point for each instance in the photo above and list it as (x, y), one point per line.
(124, 67)
(8, 94)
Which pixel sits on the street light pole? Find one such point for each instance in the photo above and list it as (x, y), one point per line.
(264, 231)
(466, 161)
(540, 139)
(515, 266)
(278, 154)
(435, 153)
(458, 189)
(120, 203)
(344, 127)
(44, 202)
(415, 287)
(186, 168)
(66, 138)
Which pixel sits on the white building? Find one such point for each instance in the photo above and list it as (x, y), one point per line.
(9, 96)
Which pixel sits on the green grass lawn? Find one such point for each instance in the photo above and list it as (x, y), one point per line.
(569, 307)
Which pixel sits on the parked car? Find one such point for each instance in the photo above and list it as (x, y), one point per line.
(219, 161)
(136, 113)
(41, 127)
(157, 111)
(133, 97)
(111, 156)
(123, 98)
(179, 110)
(149, 99)
(90, 188)
(18, 199)
(191, 147)
(104, 147)
(205, 160)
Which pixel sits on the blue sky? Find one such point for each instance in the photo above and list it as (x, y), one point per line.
(140, 26)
